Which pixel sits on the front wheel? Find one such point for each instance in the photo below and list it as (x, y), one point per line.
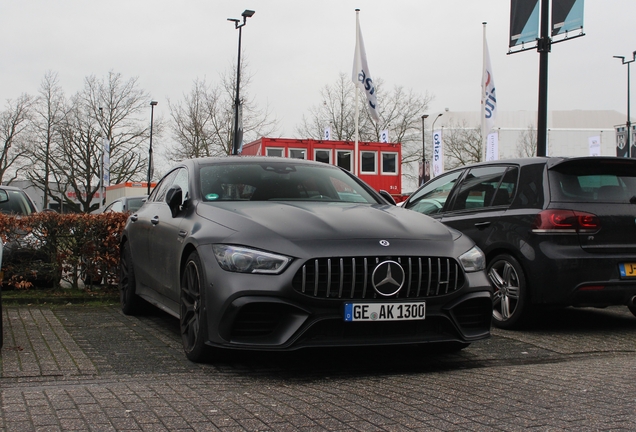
(632, 309)
(193, 316)
(509, 302)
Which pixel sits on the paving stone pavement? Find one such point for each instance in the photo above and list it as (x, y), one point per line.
(80, 368)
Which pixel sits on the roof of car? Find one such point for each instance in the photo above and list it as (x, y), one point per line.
(252, 159)
(11, 188)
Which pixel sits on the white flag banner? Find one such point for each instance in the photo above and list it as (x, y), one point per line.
(361, 76)
(595, 145)
(384, 136)
(488, 98)
(327, 136)
(492, 147)
(438, 154)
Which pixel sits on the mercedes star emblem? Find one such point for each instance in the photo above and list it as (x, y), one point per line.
(388, 278)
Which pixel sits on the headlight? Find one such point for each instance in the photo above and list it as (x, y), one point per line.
(473, 260)
(244, 260)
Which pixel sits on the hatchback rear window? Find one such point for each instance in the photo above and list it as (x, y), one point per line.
(588, 183)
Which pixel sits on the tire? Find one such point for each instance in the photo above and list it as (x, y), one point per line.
(130, 302)
(632, 309)
(192, 311)
(510, 308)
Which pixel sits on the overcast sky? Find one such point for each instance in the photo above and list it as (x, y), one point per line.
(296, 47)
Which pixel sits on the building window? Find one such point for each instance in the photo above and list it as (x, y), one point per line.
(298, 153)
(275, 151)
(344, 159)
(389, 163)
(322, 155)
(367, 162)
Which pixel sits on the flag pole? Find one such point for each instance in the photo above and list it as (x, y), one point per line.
(484, 136)
(357, 110)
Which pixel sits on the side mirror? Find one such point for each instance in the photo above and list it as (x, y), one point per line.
(387, 196)
(174, 198)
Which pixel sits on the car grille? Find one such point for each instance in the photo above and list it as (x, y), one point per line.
(350, 277)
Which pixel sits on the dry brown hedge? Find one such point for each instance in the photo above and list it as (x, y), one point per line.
(60, 247)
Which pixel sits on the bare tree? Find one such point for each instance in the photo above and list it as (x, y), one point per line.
(48, 113)
(527, 143)
(120, 108)
(14, 129)
(462, 145)
(400, 113)
(76, 160)
(115, 108)
(202, 123)
(199, 123)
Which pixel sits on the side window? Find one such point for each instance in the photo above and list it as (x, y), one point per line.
(275, 151)
(432, 197)
(368, 162)
(478, 188)
(389, 163)
(507, 188)
(182, 180)
(343, 159)
(116, 206)
(159, 192)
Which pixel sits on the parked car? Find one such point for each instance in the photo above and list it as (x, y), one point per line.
(24, 249)
(280, 254)
(556, 231)
(124, 204)
(15, 201)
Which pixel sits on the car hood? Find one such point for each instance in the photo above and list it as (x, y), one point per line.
(302, 221)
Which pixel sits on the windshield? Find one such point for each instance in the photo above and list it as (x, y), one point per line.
(593, 182)
(264, 181)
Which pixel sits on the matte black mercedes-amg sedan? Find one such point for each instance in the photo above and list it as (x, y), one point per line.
(279, 254)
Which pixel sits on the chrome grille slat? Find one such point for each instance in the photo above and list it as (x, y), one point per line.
(328, 278)
(350, 277)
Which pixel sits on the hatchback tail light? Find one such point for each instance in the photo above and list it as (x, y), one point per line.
(566, 221)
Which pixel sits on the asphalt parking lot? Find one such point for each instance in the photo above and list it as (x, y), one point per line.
(93, 368)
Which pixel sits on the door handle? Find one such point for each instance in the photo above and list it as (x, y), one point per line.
(134, 218)
(154, 220)
(482, 225)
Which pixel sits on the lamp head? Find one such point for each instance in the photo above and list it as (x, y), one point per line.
(425, 116)
(153, 103)
(247, 13)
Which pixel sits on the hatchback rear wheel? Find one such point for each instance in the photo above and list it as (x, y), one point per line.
(510, 296)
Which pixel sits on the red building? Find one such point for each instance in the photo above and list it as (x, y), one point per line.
(378, 163)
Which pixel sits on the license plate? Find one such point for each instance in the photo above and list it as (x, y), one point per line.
(627, 269)
(384, 311)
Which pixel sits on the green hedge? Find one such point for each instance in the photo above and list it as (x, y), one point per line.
(44, 249)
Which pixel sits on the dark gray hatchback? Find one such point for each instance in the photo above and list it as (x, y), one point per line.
(556, 231)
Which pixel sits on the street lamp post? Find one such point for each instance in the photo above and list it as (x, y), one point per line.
(152, 111)
(433, 131)
(235, 136)
(424, 177)
(628, 142)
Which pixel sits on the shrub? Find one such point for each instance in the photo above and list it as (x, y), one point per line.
(45, 248)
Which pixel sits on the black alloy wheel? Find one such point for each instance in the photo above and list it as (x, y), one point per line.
(192, 314)
(509, 299)
(130, 302)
